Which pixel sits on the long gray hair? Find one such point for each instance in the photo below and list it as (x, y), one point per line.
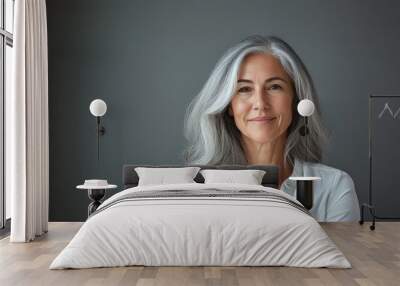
(212, 135)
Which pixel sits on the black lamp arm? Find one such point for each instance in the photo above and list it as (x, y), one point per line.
(100, 129)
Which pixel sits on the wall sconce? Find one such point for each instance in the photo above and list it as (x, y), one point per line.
(98, 108)
(305, 109)
(304, 185)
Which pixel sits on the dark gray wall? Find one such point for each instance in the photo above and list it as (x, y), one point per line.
(148, 59)
(385, 142)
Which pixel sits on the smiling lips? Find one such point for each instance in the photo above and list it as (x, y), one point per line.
(262, 119)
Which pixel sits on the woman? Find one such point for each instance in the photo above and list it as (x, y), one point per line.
(246, 113)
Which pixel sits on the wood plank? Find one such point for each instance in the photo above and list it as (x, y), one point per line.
(374, 255)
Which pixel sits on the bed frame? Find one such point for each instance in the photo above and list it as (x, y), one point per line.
(130, 178)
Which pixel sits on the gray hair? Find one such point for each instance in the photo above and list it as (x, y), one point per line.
(212, 135)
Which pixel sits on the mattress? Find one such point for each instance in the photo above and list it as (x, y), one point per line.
(201, 225)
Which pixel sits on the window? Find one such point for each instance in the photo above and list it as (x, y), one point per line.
(6, 60)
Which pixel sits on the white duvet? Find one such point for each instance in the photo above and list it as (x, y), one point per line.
(200, 231)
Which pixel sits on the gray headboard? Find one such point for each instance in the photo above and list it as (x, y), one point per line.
(130, 178)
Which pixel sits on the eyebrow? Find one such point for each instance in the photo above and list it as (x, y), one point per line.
(267, 80)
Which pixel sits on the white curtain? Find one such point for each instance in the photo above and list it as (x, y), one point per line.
(27, 142)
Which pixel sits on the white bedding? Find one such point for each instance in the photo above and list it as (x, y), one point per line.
(187, 231)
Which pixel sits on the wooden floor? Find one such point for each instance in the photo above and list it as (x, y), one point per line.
(375, 256)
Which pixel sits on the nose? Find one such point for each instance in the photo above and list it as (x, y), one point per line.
(260, 100)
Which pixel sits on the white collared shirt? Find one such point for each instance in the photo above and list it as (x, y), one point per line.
(335, 198)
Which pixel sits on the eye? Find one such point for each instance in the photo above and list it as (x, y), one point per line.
(275, 86)
(244, 89)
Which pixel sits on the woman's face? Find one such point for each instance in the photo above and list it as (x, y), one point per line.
(262, 104)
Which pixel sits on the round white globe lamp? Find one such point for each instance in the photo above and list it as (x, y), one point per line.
(98, 107)
(305, 107)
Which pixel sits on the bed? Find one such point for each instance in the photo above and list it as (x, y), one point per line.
(201, 224)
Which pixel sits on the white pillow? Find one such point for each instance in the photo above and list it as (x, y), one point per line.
(248, 177)
(161, 176)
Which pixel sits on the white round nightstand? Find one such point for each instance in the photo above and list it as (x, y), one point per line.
(305, 178)
(96, 190)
